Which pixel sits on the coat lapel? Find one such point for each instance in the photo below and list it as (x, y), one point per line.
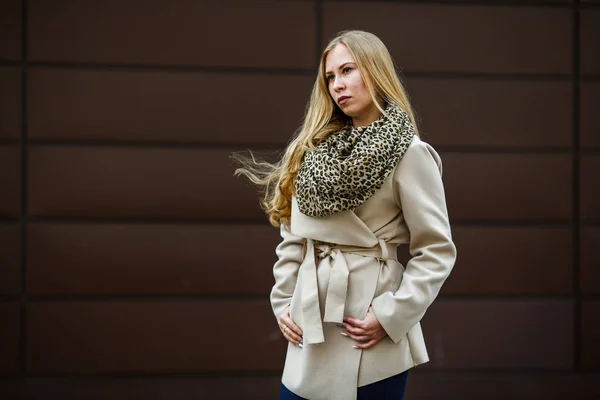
(343, 227)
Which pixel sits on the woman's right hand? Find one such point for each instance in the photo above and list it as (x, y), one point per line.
(289, 329)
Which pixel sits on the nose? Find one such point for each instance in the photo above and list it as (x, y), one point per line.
(338, 84)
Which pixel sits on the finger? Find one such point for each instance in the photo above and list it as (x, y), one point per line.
(354, 322)
(287, 330)
(367, 345)
(292, 337)
(287, 320)
(295, 328)
(354, 330)
(358, 338)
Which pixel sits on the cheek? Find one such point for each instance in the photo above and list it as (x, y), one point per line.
(358, 86)
(331, 91)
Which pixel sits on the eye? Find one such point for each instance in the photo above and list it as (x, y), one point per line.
(346, 70)
(329, 78)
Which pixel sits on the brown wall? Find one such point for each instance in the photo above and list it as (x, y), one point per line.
(133, 265)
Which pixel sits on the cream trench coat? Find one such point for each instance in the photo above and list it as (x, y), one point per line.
(341, 264)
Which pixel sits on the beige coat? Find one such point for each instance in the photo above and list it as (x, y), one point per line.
(339, 265)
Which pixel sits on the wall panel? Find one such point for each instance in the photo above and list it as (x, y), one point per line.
(154, 388)
(508, 186)
(478, 334)
(590, 331)
(424, 385)
(121, 105)
(182, 33)
(10, 102)
(531, 261)
(10, 259)
(9, 338)
(589, 116)
(10, 30)
(466, 112)
(590, 259)
(151, 259)
(589, 33)
(170, 336)
(126, 182)
(589, 201)
(467, 38)
(10, 181)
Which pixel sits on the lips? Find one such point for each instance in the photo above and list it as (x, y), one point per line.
(343, 99)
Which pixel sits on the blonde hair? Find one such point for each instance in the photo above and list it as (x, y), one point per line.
(322, 117)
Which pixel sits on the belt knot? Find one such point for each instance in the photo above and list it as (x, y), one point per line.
(324, 250)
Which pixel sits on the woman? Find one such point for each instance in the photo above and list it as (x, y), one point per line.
(355, 183)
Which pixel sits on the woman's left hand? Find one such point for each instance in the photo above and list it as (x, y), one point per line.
(367, 332)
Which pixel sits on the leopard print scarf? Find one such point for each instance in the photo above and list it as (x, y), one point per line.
(350, 165)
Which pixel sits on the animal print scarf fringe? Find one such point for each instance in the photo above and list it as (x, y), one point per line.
(350, 165)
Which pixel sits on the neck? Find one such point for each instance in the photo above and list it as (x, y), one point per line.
(366, 118)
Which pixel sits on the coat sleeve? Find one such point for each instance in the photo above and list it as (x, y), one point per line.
(285, 271)
(420, 193)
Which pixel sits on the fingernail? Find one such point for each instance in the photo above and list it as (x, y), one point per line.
(355, 347)
(300, 345)
(343, 334)
(339, 325)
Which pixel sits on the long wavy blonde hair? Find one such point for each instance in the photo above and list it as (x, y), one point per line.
(322, 117)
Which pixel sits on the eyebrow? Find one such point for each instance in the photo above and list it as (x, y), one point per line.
(340, 67)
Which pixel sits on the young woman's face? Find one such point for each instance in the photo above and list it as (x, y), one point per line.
(347, 88)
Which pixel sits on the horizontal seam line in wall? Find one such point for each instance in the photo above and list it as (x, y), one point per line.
(263, 297)
(548, 223)
(504, 150)
(481, 3)
(519, 373)
(151, 221)
(94, 376)
(168, 68)
(502, 76)
(277, 148)
(269, 147)
(70, 297)
(510, 297)
(501, 373)
(523, 373)
(590, 223)
(590, 296)
(591, 150)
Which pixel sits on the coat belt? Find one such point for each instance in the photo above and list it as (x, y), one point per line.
(335, 300)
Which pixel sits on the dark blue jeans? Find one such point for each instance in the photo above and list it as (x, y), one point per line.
(391, 388)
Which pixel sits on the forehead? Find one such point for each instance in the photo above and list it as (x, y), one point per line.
(338, 56)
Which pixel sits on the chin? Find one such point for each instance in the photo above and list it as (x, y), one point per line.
(349, 112)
